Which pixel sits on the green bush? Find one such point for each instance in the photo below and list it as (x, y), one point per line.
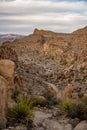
(22, 112)
(66, 106)
(77, 109)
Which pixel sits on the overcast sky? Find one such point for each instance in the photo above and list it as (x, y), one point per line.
(23, 16)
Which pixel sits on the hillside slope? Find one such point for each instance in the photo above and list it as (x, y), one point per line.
(48, 59)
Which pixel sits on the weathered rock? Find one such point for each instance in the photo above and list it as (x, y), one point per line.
(52, 125)
(44, 121)
(21, 127)
(67, 93)
(7, 52)
(3, 101)
(18, 81)
(81, 126)
(7, 68)
(39, 117)
(68, 127)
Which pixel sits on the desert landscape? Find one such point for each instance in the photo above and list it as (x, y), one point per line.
(43, 81)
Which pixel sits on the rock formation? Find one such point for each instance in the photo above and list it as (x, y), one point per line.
(3, 101)
(7, 52)
(8, 83)
(7, 69)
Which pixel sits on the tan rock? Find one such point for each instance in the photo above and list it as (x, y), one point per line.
(7, 68)
(81, 126)
(67, 93)
(7, 52)
(18, 81)
(3, 101)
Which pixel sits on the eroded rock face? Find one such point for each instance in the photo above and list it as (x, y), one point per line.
(7, 69)
(9, 81)
(7, 52)
(3, 101)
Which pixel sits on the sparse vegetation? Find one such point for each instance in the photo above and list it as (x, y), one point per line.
(38, 101)
(22, 112)
(77, 109)
(66, 106)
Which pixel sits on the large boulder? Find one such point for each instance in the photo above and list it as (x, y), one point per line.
(81, 126)
(3, 101)
(7, 70)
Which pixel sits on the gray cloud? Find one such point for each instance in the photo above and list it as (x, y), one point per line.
(19, 16)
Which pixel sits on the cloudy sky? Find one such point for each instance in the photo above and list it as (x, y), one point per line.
(23, 16)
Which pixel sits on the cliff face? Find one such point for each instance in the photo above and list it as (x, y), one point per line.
(56, 58)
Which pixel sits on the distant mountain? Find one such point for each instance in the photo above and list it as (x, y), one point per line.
(9, 37)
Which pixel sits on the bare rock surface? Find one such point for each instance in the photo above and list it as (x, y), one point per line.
(3, 101)
(7, 69)
(81, 126)
(44, 121)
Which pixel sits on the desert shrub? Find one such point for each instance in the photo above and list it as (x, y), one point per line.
(51, 98)
(22, 112)
(39, 102)
(66, 106)
(77, 109)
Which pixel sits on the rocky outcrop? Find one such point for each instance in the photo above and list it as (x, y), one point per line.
(3, 101)
(7, 69)
(8, 83)
(7, 52)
